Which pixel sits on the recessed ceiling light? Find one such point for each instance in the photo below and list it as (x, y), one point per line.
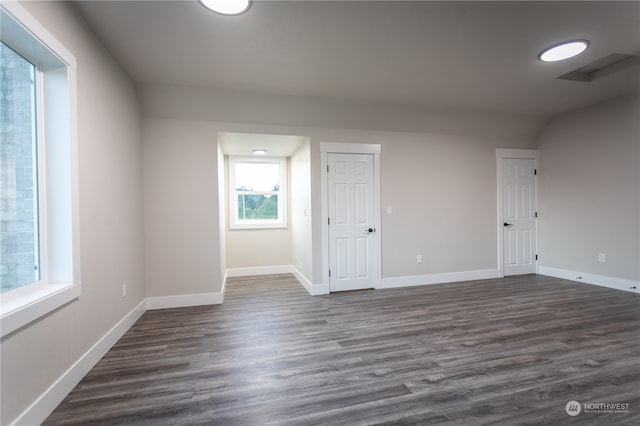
(227, 7)
(259, 151)
(564, 50)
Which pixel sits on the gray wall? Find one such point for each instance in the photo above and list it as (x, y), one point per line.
(181, 222)
(441, 184)
(590, 190)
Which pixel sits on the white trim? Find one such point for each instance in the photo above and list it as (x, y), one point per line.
(502, 153)
(599, 280)
(184, 300)
(42, 407)
(224, 284)
(33, 305)
(58, 195)
(349, 148)
(258, 270)
(378, 221)
(282, 193)
(312, 289)
(32, 25)
(324, 206)
(517, 153)
(446, 277)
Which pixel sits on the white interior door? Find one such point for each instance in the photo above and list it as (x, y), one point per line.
(519, 216)
(351, 222)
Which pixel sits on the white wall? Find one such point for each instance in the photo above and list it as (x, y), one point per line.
(222, 213)
(300, 217)
(110, 197)
(590, 190)
(255, 248)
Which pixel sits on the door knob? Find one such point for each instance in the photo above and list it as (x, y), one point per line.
(371, 230)
(508, 224)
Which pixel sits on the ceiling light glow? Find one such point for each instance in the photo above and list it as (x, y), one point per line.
(564, 50)
(259, 151)
(227, 7)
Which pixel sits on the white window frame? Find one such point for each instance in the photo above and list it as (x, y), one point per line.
(281, 222)
(57, 171)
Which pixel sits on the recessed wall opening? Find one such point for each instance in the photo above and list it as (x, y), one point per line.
(267, 227)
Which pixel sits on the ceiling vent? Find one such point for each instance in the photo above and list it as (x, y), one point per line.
(603, 67)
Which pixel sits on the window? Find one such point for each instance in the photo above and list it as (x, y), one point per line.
(19, 225)
(39, 262)
(257, 192)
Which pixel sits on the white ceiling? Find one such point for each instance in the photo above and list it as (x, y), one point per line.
(473, 56)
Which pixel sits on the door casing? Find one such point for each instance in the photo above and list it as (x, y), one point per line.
(529, 154)
(350, 148)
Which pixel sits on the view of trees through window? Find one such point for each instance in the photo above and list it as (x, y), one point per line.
(257, 186)
(254, 207)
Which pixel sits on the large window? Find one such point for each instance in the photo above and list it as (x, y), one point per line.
(19, 225)
(257, 192)
(39, 242)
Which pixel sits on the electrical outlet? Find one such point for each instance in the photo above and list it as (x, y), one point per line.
(602, 258)
(419, 258)
(124, 290)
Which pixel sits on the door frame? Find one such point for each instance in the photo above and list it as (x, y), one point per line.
(350, 148)
(524, 154)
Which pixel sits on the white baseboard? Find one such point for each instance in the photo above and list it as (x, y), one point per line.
(184, 300)
(259, 270)
(313, 289)
(447, 277)
(55, 394)
(599, 280)
(224, 284)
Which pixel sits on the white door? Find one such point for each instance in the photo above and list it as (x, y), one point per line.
(351, 222)
(519, 216)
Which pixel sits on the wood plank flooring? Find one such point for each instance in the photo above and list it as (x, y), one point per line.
(505, 351)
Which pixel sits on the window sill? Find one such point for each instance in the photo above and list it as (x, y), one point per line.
(257, 225)
(27, 308)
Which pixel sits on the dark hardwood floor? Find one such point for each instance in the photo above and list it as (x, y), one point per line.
(505, 351)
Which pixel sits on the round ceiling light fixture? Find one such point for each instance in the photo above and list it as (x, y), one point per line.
(227, 7)
(259, 152)
(564, 50)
